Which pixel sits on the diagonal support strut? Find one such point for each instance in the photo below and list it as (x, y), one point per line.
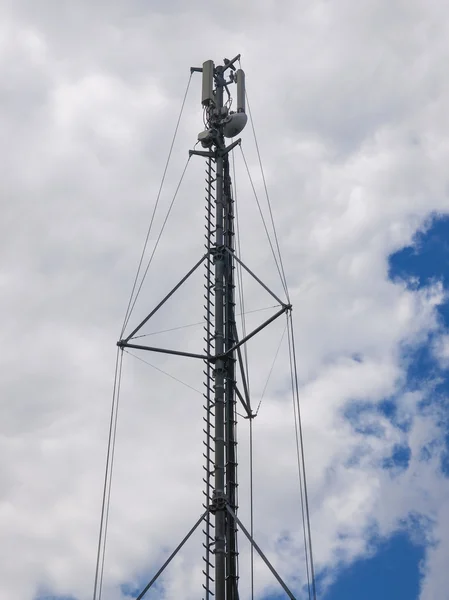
(244, 403)
(281, 311)
(164, 300)
(242, 372)
(261, 554)
(172, 555)
(259, 281)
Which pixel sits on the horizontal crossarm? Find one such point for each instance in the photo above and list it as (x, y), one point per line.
(125, 344)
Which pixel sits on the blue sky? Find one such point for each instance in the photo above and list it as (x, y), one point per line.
(391, 574)
(394, 570)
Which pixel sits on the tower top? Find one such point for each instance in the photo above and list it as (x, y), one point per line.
(218, 115)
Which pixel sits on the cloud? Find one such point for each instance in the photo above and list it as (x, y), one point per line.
(350, 111)
(442, 350)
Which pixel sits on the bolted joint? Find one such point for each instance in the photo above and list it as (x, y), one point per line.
(219, 368)
(218, 253)
(218, 503)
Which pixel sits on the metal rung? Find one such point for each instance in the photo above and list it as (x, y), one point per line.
(211, 538)
(208, 590)
(209, 410)
(208, 563)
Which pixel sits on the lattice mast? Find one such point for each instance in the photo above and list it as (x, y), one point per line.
(222, 350)
(221, 552)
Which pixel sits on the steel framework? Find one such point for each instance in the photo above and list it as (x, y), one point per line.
(222, 348)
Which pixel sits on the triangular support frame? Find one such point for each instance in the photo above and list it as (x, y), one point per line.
(192, 531)
(126, 343)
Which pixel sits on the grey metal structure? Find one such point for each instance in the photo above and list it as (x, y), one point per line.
(222, 350)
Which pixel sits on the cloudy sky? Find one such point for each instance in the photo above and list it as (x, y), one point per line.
(349, 101)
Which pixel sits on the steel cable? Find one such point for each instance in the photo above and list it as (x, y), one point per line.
(276, 239)
(283, 277)
(245, 355)
(104, 518)
(129, 308)
(270, 371)
(248, 312)
(164, 372)
(264, 224)
(301, 461)
(155, 246)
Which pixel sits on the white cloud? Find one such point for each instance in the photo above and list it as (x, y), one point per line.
(441, 350)
(350, 106)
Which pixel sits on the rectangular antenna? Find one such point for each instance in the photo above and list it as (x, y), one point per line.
(207, 97)
(240, 79)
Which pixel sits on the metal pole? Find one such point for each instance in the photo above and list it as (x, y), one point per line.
(231, 424)
(219, 372)
(221, 438)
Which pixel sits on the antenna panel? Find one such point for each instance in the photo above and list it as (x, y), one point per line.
(207, 97)
(240, 79)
